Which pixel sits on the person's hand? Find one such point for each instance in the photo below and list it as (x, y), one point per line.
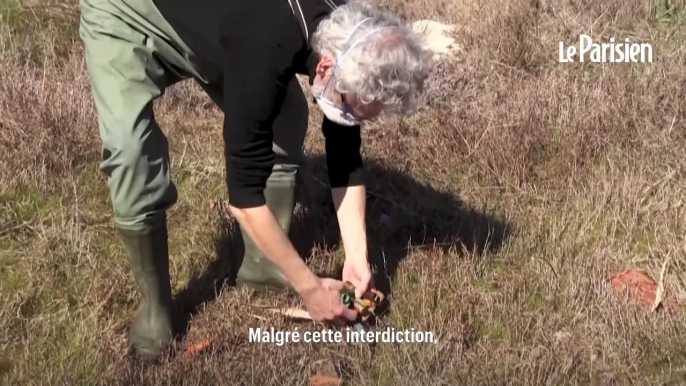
(356, 271)
(323, 301)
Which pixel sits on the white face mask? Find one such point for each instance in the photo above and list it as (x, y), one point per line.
(334, 113)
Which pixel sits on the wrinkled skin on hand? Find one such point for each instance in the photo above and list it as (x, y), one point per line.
(324, 303)
(356, 271)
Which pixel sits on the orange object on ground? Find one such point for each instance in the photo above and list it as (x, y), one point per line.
(642, 288)
(325, 380)
(197, 348)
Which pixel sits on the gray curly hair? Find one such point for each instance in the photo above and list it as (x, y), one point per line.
(388, 66)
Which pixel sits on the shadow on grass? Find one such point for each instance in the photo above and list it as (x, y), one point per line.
(402, 215)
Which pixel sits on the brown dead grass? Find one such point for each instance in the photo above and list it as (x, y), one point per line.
(509, 200)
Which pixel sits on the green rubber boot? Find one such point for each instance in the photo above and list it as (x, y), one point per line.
(148, 257)
(256, 271)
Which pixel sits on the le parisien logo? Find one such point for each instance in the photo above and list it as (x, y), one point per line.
(610, 52)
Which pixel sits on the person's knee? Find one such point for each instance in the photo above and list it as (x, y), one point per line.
(140, 186)
(129, 153)
(284, 172)
(121, 155)
(288, 155)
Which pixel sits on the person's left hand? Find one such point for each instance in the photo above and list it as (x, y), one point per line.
(356, 271)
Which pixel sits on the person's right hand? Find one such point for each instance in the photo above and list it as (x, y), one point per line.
(323, 301)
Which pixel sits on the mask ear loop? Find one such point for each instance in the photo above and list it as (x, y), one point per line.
(335, 69)
(342, 56)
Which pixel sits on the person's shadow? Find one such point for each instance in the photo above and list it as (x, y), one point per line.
(402, 214)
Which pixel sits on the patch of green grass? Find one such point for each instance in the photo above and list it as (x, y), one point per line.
(71, 355)
(29, 204)
(535, 301)
(12, 276)
(109, 245)
(49, 287)
(496, 333)
(11, 14)
(670, 13)
(62, 333)
(41, 33)
(94, 194)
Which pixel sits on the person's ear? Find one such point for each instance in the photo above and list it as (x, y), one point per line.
(325, 64)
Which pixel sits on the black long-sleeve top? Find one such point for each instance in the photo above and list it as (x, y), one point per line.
(252, 49)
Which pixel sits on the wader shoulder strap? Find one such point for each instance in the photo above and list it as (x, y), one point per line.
(298, 12)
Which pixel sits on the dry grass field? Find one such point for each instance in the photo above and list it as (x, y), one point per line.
(507, 203)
